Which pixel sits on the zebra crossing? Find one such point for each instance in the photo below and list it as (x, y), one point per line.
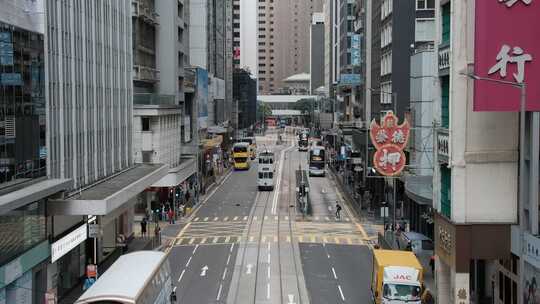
(244, 218)
(233, 239)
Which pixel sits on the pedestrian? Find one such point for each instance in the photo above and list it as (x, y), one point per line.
(187, 197)
(143, 227)
(427, 297)
(338, 210)
(157, 233)
(181, 210)
(432, 264)
(171, 216)
(409, 246)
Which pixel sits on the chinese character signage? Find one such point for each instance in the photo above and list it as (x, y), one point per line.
(507, 48)
(389, 140)
(350, 79)
(355, 50)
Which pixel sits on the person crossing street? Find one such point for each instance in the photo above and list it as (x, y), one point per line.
(338, 210)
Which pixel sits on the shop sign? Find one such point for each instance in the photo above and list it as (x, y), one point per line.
(389, 140)
(445, 238)
(506, 48)
(531, 249)
(67, 243)
(94, 230)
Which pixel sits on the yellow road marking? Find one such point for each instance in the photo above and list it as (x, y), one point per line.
(227, 239)
(191, 241)
(215, 239)
(362, 231)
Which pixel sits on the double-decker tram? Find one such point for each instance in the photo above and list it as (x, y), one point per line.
(241, 156)
(316, 161)
(265, 179)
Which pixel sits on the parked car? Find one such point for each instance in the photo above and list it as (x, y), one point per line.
(421, 245)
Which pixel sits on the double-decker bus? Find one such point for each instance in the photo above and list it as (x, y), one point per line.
(142, 277)
(265, 179)
(241, 156)
(303, 142)
(316, 161)
(252, 145)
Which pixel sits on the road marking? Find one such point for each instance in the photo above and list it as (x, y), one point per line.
(235, 218)
(196, 219)
(347, 219)
(227, 239)
(276, 217)
(203, 270)
(174, 289)
(326, 218)
(362, 231)
(337, 240)
(324, 240)
(189, 261)
(228, 260)
(255, 218)
(291, 299)
(329, 208)
(216, 239)
(245, 218)
(263, 238)
(349, 241)
(203, 240)
(219, 292)
(232, 246)
(327, 255)
(251, 239)
(316, 218)
(268, 272)
(341, 292)
(268, 290)
(249, 266)
(196, 246)
(286, 217)
(206, 219)
(226, 219)
(224, 274)
(181, 275)
(288, 239)
(334, 272)
(268, 258)
(300, 238)
(191, 241)
(268, 247)
(216, 218)
(313, 239)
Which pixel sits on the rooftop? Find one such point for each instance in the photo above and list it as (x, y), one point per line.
(298, 78)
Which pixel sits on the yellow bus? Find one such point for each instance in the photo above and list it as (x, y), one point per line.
(241, 156)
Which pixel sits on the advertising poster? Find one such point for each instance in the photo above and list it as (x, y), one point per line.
(202, 97)
(355, 49)
(6, 49)
(531, 294)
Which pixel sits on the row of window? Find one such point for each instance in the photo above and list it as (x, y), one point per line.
(386, 63)
(386, 90)
(386, 34)
(386, 9)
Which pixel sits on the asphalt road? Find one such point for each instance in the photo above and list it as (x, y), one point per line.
(245, 246)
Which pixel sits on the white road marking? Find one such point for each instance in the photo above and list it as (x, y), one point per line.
(268, 273)
(206, 219)
(334, 272)
(249, 266)
(245, 218)
(276, 217)
(224, 274)
(328, 255)
(226, 219)
(316, 218)
(291, 299)
(265, 217)
(327, 218)
(341, 292)
(219, 292)
(203, 270)
(216, 218)
(269, 258)
(232, 246)
(195, 249)
(228, 259)
(174, 289)
(181, 275)
(278, 179)
(268, 246)
(188, 261)
(235, 218)
(195, 219)
(329, 208)
(255, 218)
(216, 239)
(286, 218)
(268, 290)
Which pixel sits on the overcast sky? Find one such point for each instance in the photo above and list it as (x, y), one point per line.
(248, 35)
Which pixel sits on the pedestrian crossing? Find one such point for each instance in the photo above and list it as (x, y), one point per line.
(319, 239)
(245, 218)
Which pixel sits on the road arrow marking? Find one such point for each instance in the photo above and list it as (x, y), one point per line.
(203, 270)
(249, 266)
(291, 299)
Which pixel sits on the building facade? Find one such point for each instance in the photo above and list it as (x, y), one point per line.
(316, 52)
(282, 39)
(245, 95)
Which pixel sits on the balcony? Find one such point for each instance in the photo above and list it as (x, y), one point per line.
(140, 9)
(443, 145)
(144, 73)
(153, 99)
(444, 57)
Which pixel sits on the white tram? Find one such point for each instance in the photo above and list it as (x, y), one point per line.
(266, 168)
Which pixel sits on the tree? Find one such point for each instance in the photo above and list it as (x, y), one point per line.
(263, 111)
(306, 106)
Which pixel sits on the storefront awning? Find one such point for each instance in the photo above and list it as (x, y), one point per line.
(110, 194)
(32, 193)
(177, 175)
(216, 130)
(419, 189)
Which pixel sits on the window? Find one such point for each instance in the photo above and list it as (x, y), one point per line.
(446, 23)
(180, 10)
(445, 101)
(446, 186)
(180, 34)
(145, 121)
(425, 4)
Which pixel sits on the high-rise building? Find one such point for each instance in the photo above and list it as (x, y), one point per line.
(236, 34)
(245, 93)
(316, 53)
(283, 29)
(89, 93)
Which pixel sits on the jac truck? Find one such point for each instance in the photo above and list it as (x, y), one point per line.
(397, 277)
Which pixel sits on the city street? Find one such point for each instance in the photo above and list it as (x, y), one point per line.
(246, 246)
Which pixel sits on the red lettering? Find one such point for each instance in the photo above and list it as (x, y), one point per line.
(402, 277)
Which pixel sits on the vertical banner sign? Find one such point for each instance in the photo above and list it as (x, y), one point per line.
(202, 97)
(355, 49)
(507, 47)
(389, 140)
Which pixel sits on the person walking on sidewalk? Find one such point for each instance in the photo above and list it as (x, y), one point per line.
(338, 211)
(171, 216)
(143, 227)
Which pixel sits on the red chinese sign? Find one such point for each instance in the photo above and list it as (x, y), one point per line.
(389, 140)
(507, 47)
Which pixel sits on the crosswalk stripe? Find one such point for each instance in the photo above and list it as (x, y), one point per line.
(276, 217)
(216, 239)
(286, 217)
(288, 239)
(203, 241)
(245, 218)
(226, 219)
(254, 218)
(263, 238)
(275, 238)
(206, 219)
(265, 217)
(235, 218)
(327, 218)
(337, 240)
(349, 241)
(196, 219)
(191, 241)
(227, 239)
(216, 218)
(251, 239)
(347, 219)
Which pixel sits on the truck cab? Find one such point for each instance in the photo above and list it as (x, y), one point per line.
(397, 277)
